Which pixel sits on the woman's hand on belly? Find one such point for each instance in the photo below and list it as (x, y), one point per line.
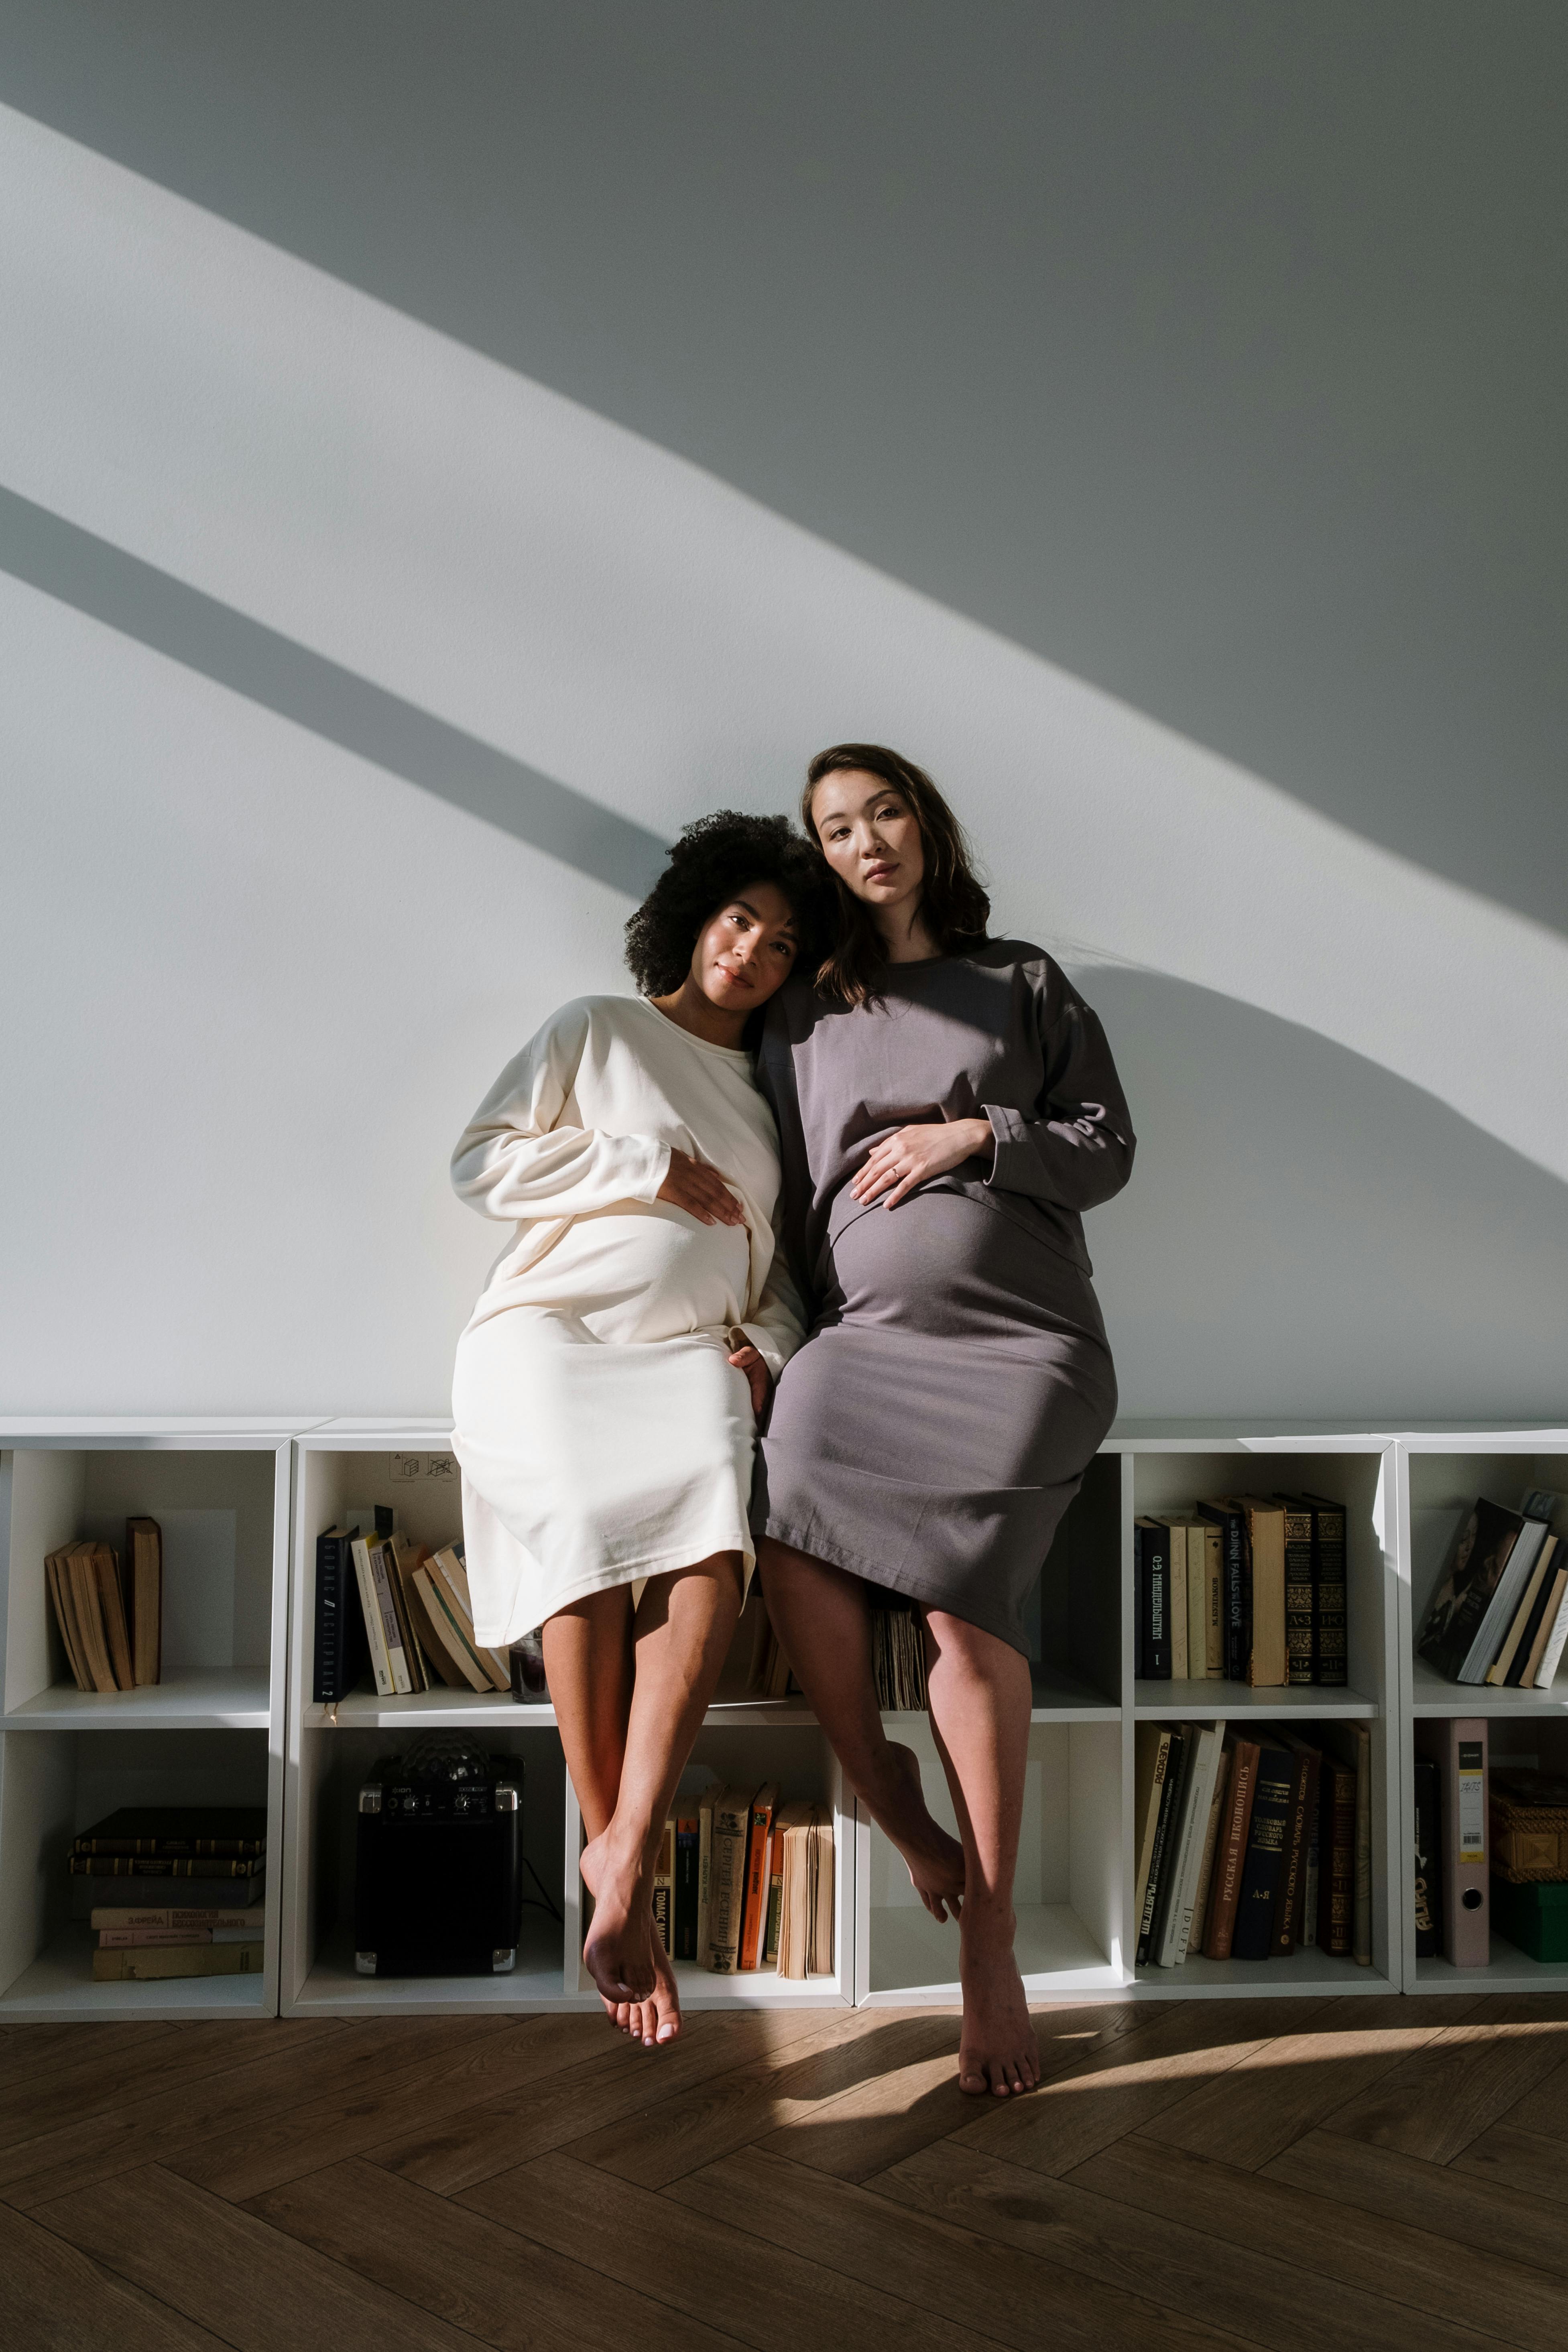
(908, 1157)
(746, 1359)
(700, 1191)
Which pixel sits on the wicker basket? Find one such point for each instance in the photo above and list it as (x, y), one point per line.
(1530, 1827)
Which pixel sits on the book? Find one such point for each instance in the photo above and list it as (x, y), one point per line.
(383, 1584)
(149, 1866)
(793, 1827)
(1285, 1927)
(1204, 1747)
(731, 1830)
(90, 1894)
(1299, 1609)
(1150, 1553)
(1331, 1620)
(230, 1832)
(1266, 1666)
(402, 1559)
(1164, 1839)
(685, 1905)
(456, 1652)
(1427, 1859)
(87, 1609)
(144, 1965)
(1199, 1930)
(1457, 1744)
(1525, 1615)
(1532, 1633)
(370, 1609)
(1231, 1521)
(1337, 1851)
(1494, 1625)
(1151, 1754)
(705, 1873)
(664, 1891)
(898, 1658)
(1230, 1853)
(1214, 1600)
(144, 1598)
(754, 1914)
(57, 1580)
(1312, 1868)
(1177, 1592)
(1266, 1839)
(1351, 1743)
(1197, 1601)
(775, 1898)
(341, 1652)
(111, 1612)
(114, 1917)
(450, 1566)
(819, 1962)
(1483, 1543)
(1549, 1643)
(173, 1939)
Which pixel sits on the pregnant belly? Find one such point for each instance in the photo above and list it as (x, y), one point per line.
(644, 1271)
(947, 1266)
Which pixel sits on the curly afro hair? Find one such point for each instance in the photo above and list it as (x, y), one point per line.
(712, 861)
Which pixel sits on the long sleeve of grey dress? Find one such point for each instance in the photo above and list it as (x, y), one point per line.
(956, 1381)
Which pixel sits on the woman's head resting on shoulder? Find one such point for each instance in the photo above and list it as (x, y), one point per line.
(905, 881)
(738, 905)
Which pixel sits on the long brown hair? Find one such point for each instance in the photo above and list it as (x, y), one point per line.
(953, 906)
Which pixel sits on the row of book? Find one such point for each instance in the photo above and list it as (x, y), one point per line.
(109, 1618)
(399, 1607)
(173, 1891)
(1490, 1849)
(1245, 1589)
(744, 1883)
(1248, 1845)
(1498, 1614)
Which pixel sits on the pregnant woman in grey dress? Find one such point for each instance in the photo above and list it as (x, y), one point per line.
(947, 1106)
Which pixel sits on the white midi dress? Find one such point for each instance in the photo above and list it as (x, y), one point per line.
(601, 1432)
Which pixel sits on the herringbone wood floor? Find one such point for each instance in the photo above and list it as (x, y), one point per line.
(1303, 2175)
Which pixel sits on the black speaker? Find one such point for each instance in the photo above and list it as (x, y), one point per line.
(438, 1862)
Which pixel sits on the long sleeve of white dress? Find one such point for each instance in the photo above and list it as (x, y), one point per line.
(518, 1159)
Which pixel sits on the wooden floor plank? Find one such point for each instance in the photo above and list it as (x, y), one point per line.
(1125, 2085)
(87, 2081)
(1280, 2306)
(1527, 2160)
(506, 2291)
(1458, 2205)
(1012, 2296)
(1288, 2084)
(257, 2288)
(35, 2049)
(1544, 2106)
(55, 2298)
(159, 2125)
(453, 2154)
(771, 2297)
(1467, 2078)
(1414, 2267)
(333, 2119)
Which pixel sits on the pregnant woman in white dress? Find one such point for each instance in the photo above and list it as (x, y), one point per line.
(607, 1387)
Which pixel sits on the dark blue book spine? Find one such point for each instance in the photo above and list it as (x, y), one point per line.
(1154, 1553)
(1266, 1839)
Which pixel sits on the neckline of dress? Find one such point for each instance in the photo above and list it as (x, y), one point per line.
(737, 1054)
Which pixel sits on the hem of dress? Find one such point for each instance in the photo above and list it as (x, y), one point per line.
(917, 1588)
(606, 1580)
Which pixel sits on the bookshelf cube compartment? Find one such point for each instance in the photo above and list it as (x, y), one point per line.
(745, 1746)
(1069, 1892)
(1443, 1485)
(1168, 1480)
(221, 1511)
(1537, 1739)
(54, 1783)
(319, 1976)
(1075, 1612)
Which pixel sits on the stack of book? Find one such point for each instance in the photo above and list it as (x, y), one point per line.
(1250, 1844)
(745, 1882)
(1243, 1588)
(899, 1659)
(1500, 1613)
(111, 1619)
(173, 1890)
(405, 1609)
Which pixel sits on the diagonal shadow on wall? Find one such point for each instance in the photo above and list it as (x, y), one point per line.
(205, 635)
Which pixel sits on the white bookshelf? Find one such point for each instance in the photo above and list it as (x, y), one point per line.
(210, 1731)
(235, 1713)
(1440, 1475)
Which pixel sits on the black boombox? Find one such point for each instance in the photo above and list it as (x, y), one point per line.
(438, 1862)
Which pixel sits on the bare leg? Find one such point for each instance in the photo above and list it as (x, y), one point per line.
(590, 1664)
(980, 1700)
(822, 1618)
(681, 1634)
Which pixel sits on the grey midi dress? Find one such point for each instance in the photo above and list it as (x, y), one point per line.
(956, 1380)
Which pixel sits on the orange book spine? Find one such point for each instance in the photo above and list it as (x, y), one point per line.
(753, 1925)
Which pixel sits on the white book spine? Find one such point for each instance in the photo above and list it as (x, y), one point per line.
(374, 1632)
(1498, 1617)
(1552, 1653)
(1190, 1853)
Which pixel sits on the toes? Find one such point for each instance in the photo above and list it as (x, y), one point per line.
(971, 2080)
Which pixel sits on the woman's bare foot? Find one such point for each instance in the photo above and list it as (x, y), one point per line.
(618, 1953)
(997, 2051)
(655, 2022)
(935, 1859)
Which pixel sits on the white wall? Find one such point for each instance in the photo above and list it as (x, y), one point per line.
(254, 982)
